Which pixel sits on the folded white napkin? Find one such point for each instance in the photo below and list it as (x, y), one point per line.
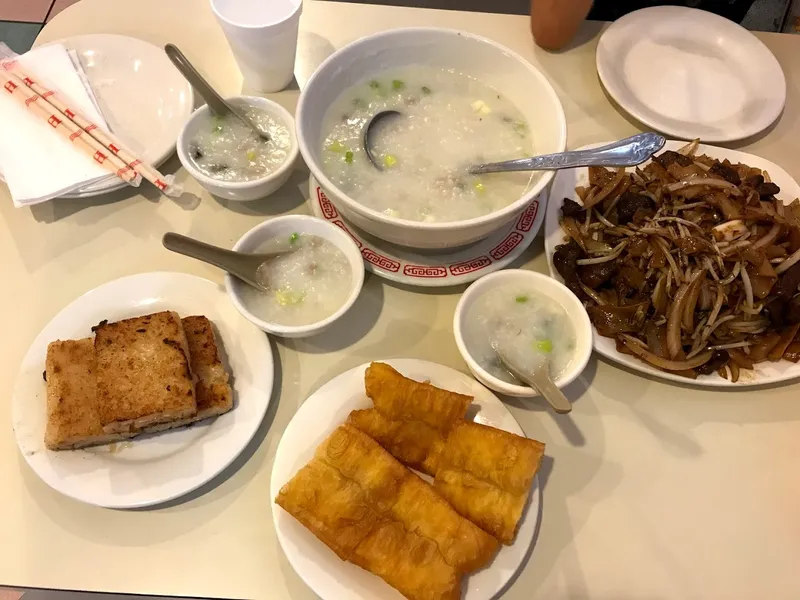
(37, 163)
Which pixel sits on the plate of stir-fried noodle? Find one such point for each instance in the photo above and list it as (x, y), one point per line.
(689, 264)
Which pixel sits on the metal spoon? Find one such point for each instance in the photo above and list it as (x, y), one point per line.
(239, 264)
(216, 103)
(538, 379)
(369, 134)
(624, 153)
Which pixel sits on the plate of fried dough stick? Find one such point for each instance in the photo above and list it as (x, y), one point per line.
(405, 478)
(141, 390)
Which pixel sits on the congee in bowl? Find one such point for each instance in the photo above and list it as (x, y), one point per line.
(464, 100)
(448, 121)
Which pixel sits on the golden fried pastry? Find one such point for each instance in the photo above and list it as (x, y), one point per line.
(413, 443)
(402, 399)
(410, 419)
(377, 514)
(486, 474)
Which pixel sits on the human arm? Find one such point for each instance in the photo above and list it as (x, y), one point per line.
(555, 22)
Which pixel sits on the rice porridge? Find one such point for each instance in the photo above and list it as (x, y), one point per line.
(530, 327)
(449, 121)
(305, 286)
(224, 148)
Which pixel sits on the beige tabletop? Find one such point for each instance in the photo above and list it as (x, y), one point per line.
(651, 491)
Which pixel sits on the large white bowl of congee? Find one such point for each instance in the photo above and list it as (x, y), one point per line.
(463, 100)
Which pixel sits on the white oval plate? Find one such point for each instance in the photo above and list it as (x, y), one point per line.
(327, 575)
(143, 97)
(691, 73)
(564, 187)
(437, 268)
(155, 468)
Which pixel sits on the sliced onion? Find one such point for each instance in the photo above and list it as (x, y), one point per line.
(662, 363)
(592, 294)
(703, 181)
(768, 238)
(788, 263)
(748, 288)
(676, 314)
(687, 321)
(690, 148)
(717, 306)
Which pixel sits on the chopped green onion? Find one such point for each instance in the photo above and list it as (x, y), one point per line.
(289, 298)
(543, 345)
(398, 84)
(426, 89)
(389, 160)
(218, 122)
(251, 155)
(479, 187)
(522, 299)
(336, 146)
(348, 156)
(294, 237)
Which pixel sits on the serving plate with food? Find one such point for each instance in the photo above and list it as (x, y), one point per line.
(141, 390)
(688, 264)
(354, 519)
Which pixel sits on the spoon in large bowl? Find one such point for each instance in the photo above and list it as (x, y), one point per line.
(216, 103)
(538, 378)
(247, 267)
(629, 152)
(371, 129)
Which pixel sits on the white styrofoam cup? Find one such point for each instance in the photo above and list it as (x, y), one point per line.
(263, 37)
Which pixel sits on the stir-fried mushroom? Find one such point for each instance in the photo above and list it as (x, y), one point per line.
(692, 264)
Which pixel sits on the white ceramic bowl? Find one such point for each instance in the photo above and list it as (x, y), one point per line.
(284, 227)
(241, 191)
(545, 285)
(484, 59)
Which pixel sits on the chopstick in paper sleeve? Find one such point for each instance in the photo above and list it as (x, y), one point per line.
(79, 138)
(109, 141)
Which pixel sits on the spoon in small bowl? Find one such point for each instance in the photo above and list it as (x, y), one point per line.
(629, 152)
(247, 267)
(216, 103)
(538, 379)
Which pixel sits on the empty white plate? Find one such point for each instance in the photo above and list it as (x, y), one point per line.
(691, 74)
(154, 468)
(330, 577)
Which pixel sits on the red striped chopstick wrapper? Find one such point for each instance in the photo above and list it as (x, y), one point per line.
(105, 138)
(39, 106)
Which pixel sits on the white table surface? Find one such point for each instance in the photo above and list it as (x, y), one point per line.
(651, 491)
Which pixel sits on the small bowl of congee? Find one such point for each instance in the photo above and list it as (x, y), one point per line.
(232, 161)
(454, 100)
(314, 280)
(534, 319)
